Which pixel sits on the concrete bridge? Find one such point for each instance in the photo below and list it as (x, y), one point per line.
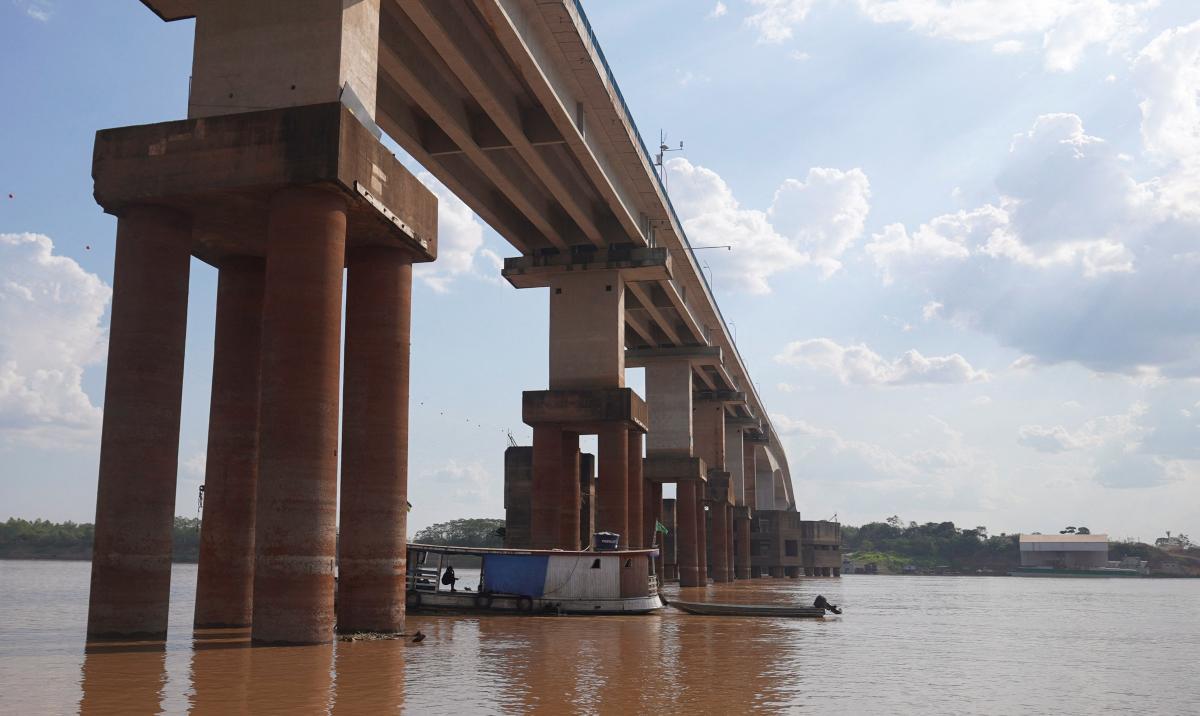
(279, 179)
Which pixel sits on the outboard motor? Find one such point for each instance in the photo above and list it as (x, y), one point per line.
(822, 603)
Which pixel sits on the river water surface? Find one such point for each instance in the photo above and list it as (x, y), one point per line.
(959, 645)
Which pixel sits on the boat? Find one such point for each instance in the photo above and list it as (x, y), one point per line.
(523, 581)
(748, 610)
(1073, 572)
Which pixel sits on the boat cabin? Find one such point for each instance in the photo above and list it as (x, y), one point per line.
(532, 581)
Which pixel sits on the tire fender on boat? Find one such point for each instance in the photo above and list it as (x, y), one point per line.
(483, 601)
(524, 604)
(413, 600)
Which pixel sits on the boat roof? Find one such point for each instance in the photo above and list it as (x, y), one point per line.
(500, 550)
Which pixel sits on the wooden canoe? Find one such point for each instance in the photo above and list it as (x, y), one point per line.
(748, 610)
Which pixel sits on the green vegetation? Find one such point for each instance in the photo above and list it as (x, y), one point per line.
(477, 532)
(42, 539)
(891, 546)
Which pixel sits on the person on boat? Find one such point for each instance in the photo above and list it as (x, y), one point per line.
(448, 577)
(822, 603)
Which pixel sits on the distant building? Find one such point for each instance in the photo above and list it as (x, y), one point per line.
(775, 544)
(1064, 551)
(1172, 543)
(821, 548)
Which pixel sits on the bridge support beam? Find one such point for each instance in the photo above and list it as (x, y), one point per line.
(741, 528)
(139, 445)
(374, 512)
(225, 575)
(687, 509)
(291, 185)
(721, 568)
(295, 525)
(636, 492)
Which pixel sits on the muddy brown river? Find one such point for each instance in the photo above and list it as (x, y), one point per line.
(961, 645)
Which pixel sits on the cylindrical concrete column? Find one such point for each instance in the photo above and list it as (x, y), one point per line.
(720, 546)
(637, 532)
(545, 487)
(742, 561)
(701, 537)
(687, 550)
(139, 444)
(729, 541)
(225, 576)
(570, 494)
(612, 486)
(374, 510)
(651, 516)
(295, 515)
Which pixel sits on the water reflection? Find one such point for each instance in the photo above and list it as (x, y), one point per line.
(220, 671)
(123, 677)
(369, 677)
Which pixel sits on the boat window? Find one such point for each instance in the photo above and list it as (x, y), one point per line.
(596, 563)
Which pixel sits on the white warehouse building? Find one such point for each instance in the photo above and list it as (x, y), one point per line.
(1064, 551)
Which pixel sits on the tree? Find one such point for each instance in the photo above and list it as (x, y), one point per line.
(1082, 531)
(477, 532)
(1067, 531)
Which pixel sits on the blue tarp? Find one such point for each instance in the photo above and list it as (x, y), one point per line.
(523, 574)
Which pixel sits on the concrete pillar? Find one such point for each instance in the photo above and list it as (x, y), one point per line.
(139, 444)
(587, 498)
(748, 473)
(295, 515)
(569, 493)
(729, 540)
(742, 559)
(637, 532)
(669, 541)
(709, 437)
(374, 509)
(687, 547)
(669, 399)
(544, 497)
(652, 515)
(721, 569)
(225, 576)
(734, 463)
(612, 487)
(518, 476)
(587, 330)
(701, 538)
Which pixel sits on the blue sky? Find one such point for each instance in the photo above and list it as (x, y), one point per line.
(963, 269)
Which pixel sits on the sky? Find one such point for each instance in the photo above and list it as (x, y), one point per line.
(963, 271)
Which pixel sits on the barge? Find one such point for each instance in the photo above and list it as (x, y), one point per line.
(532, 581)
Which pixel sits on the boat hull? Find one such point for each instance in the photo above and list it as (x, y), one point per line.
(1035, 572)
(748, 610)
(502, 604)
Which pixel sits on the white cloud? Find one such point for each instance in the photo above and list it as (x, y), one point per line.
(824, 214)
(1087, 267)
(467, 482)
(689, 78)
(1166, 75)
(859, 365)
(812, 221)
(944, 472)
(1064, 30)
(40, 10)
(1141, 448)
(50, 330)
(719, 10)
(776, 18)
(460, 239)
(981, 401)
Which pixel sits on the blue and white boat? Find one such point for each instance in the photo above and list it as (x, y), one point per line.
(533, 581)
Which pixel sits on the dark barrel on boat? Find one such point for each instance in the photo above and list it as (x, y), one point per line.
(606, 541)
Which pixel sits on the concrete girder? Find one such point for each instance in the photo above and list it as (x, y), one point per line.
(477, 62)
(525, 51)
(640, 293)
(406, 57)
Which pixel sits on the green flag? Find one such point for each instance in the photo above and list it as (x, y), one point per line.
(660, 527)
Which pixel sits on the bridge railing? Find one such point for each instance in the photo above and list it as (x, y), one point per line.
(612, 80)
